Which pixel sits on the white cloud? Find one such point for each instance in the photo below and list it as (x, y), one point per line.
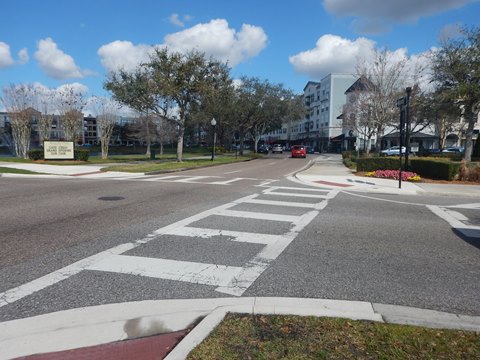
(218, 40)
(6, 59)
(23, 56)
(123, 54)
(75, 87)
(55, 62)
(179, 20)
(332, 54)
(215, 39)
(373, 16)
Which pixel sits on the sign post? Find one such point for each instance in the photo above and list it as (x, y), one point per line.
(401, 104)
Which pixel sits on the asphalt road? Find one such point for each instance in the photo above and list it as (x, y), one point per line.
(163, 229)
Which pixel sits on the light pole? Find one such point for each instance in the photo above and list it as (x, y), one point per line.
(214, 123)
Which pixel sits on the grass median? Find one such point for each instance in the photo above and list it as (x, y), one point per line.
(7, 170)
(241, 336)
(152, 166)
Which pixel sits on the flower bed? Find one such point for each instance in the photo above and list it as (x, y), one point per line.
(394, 174)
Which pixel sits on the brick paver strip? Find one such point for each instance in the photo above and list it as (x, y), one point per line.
(332, 183)
(148, 348)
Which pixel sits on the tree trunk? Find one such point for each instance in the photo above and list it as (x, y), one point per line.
(181, 132)
(148, 138)
(104, 143)
(469, 134)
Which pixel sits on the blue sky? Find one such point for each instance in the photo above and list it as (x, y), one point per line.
(56, 42)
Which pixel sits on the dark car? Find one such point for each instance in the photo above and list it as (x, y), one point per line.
(299, 151)
(263, 149)
(310, 149)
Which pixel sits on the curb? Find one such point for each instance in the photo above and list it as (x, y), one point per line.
(102, 324)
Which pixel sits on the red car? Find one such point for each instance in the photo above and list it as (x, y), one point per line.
(299, 151)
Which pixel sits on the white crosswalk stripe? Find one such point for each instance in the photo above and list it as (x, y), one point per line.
(233, 280)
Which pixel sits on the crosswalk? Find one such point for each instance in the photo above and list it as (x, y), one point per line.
(303, 205)
(233, 280)
(198, 179)
(453, 215)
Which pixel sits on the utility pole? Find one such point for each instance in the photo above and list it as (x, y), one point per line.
(408, 90)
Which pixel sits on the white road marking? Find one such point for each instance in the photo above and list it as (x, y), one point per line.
(255, 267)
(273, 188)
(258, 215)
(465, 206)
(240, 236)
(194, 179)
(272, 163)
(280, 203)
(226, 182)
(43, 282)
(169, 177)
(229, 279)
(295, 194)
(455, 220)
(187, 271)
(232, 172)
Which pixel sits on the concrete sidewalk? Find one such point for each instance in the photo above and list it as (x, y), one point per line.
(67, 171)
(328, 171)
(105, 324)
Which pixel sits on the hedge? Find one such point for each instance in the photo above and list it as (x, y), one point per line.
(35, 154)
(378, 163)
(435, 168)
(82, 154)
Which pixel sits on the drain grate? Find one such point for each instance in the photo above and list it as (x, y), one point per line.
(111, 198)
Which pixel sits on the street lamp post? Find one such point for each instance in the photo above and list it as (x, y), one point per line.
(214, 123)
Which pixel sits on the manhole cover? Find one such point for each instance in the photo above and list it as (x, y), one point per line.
(111, 198)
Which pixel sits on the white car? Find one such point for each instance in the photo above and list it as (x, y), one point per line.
(277, 148)
(458, 150)
(394, 150)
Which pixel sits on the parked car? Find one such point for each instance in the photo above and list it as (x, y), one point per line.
(458, 150)
(394, 150)
(263, 149)
(310, 149)
(277, 148)
(299, 151)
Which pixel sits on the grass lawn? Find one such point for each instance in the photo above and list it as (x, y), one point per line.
(173, 165)
(7, 170)
(241, 336)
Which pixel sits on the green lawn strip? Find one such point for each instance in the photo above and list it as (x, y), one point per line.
(294, 337)
(173, 165)
(7, 170)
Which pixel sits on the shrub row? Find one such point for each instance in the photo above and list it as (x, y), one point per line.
(430, 168)
(378, 163)
(79, 154)
(435, 168)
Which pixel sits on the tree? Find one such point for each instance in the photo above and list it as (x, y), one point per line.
(19, 101)
(106, 117)
(456, 72)
(70, 102)
(168, 85)
(382, 84)
(184, 79)
(44, 101)
(357, 112)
